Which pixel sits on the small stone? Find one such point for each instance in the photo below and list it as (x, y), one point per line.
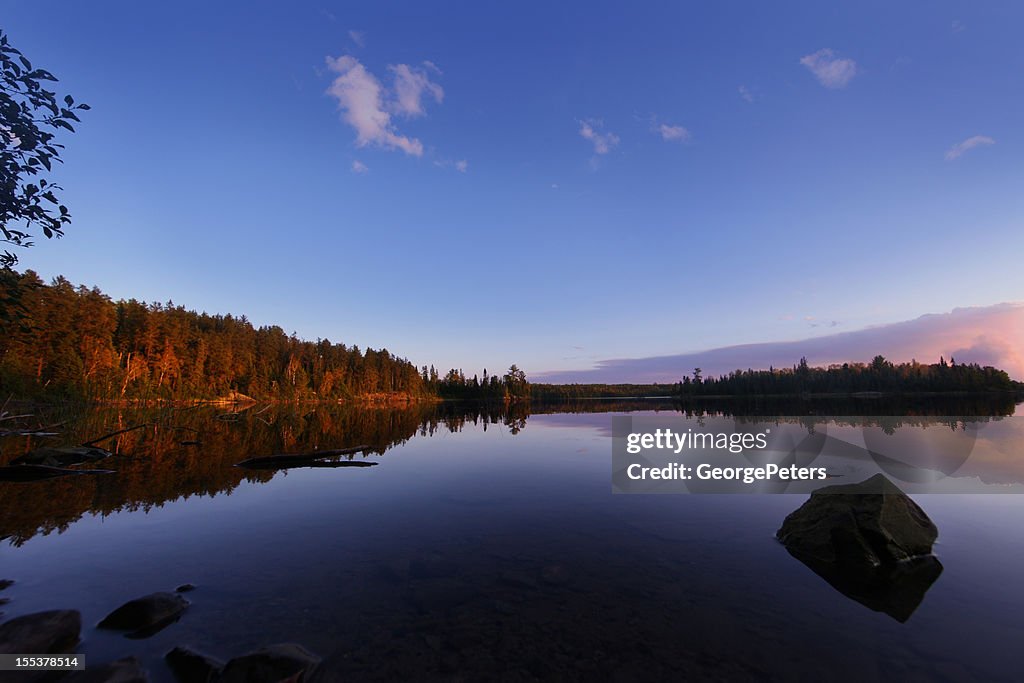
(146, 615)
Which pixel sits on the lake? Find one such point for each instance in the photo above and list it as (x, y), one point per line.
(487, 543)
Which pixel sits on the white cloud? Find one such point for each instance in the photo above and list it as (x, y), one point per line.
(958, 26)
(745, 93)
(831, 71)
(363, 101)
(359, 167)
(970, 143)
(358, 37)
(673, 133)
(461, 165)
(603, 142)
(410, 86)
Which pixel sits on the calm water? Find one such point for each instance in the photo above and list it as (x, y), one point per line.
(485, 546)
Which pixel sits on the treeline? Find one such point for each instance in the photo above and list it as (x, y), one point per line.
(880, 375)
(63, 341)
(570, 392)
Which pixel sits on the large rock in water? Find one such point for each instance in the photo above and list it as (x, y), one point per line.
(52, 632)
(272, 664)
(870, 525)
(146, 615)
(870, 541)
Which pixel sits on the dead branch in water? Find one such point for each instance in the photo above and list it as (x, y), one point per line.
(120, 431)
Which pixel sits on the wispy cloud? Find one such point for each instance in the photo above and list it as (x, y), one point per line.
(359, 167)
(830, 70)
(958, 26)
(590, 129)
(411, 84)
(672, 133)
(358, 37)
(460, 165)
(957, 150)
(745, 93)
(367, 106)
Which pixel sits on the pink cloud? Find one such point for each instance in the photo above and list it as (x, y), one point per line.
(989, 335)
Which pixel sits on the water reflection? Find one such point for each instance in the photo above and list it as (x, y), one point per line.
(896, 591)
(486, 543)
(187, 452)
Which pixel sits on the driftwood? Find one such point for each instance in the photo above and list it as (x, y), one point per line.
(312, 459)
(37, 472)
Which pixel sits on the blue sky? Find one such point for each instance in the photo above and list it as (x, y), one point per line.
(476, 185)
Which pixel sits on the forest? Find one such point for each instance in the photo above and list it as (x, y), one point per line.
(880, 375)
(59, 341)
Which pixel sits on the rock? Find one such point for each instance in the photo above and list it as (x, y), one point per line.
(62, 457)
(866, 525)
(272, 664)
(184, 588)
(5, 583)
(52, 632)
(189, 666)
(127, 670)
(869, 541)
(146, 615)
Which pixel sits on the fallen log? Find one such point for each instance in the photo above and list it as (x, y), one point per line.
(62, 457)
(312, 459)
(37, 472)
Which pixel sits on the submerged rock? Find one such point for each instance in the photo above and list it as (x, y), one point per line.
(189, 666)
(52, 632)
(869, 541)
(146, 615)
(127, 670)
(272, 664)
